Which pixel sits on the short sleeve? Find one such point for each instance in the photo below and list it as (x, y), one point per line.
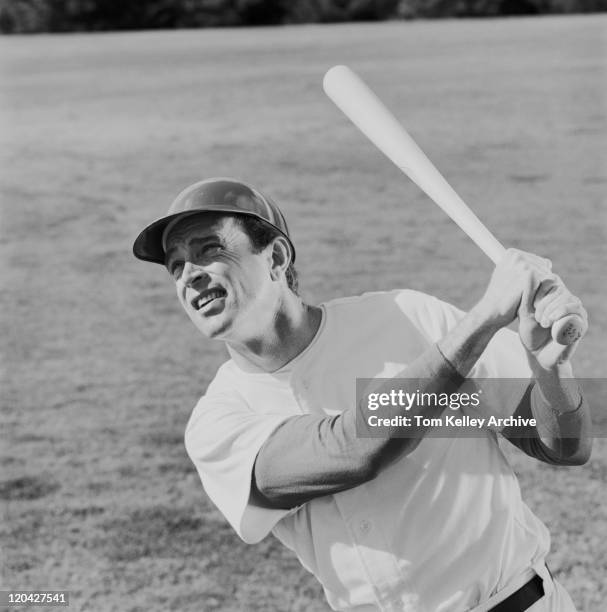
(504, 357)
(431, 316)
(222, 438)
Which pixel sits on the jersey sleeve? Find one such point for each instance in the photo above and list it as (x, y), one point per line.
(431, 316)
(222, 438)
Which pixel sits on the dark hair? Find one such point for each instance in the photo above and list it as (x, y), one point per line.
(261, 234)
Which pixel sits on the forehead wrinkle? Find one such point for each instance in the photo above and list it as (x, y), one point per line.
(190, 243)
(186, 226)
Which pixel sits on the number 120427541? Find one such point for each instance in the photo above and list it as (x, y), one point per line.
(34, 598)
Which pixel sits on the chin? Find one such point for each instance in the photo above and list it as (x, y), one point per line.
(213, 329)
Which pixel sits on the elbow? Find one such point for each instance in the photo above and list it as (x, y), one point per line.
(576, 460)
(369, 465)
(264, 490)
(583, 454)
(577, 456)
(268, 497)
(366, 469)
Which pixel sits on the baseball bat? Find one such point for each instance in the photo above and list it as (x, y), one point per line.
(356, 100)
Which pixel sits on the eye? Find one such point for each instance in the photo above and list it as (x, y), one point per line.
(209, 250)
(175, 269)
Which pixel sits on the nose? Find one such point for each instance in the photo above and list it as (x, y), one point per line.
(192, 274)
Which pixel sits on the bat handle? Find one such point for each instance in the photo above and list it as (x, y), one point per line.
(567, 329)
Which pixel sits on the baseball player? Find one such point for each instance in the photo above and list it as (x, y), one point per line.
(415, 524)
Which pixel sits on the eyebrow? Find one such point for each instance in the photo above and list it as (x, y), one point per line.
(190, 243)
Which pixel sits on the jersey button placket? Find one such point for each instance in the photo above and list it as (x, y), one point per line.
(365, 526)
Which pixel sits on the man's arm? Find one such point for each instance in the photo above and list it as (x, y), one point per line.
(309, 456)
(561, 436)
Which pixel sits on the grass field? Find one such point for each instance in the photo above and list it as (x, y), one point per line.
(101, 369)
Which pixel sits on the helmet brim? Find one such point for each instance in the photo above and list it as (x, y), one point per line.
(148, 244)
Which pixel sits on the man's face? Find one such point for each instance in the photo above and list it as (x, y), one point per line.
(224, 287)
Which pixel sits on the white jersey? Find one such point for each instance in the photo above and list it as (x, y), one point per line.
(441, 529)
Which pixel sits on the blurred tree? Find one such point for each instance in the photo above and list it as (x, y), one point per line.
(203, 13)
(262, 12)
(411, 9)
(117, 14)
(578, 6)
(340, 10)
(81, 15)
(478, 8)
(371, 10)
(304, 11)
(24, 16)
(518, 7)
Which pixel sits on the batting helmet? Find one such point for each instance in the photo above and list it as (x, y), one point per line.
(211, 195)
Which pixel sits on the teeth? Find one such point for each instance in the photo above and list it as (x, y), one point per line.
(203, 301)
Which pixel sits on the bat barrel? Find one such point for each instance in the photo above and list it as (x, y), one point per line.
(354, 98)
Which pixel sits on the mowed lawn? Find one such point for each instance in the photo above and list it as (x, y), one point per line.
(101, 369)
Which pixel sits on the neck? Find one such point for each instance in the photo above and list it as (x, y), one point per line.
(286, 335)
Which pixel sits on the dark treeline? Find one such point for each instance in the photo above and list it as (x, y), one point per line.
(18, 16)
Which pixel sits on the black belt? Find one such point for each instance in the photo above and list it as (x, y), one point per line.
(522, 599)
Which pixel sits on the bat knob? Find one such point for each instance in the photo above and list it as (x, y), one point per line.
(569, 329)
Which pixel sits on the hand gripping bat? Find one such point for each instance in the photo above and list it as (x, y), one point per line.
(354, 98)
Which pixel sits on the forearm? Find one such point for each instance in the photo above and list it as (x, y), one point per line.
(562, 416)
(310, 456)
(465, 343)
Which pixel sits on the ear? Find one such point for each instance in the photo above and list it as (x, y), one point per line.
(281, 257)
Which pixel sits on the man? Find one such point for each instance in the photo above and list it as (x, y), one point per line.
(421, 523)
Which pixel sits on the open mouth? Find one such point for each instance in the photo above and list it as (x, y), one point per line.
(206, 297)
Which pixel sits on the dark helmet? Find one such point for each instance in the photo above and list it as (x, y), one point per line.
(211, 195)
